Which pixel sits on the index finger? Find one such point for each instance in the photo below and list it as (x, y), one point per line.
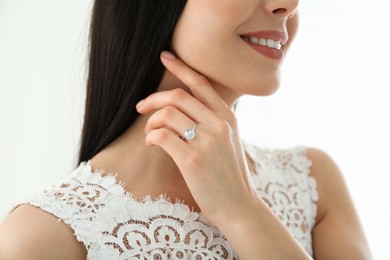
(197, 83)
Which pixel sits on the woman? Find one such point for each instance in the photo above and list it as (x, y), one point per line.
(163, 123)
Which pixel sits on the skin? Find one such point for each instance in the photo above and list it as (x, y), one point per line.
(197, 88)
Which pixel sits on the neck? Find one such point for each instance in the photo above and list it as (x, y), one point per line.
(143, 170)
(170, 82)
(130, 157)
(138, 165)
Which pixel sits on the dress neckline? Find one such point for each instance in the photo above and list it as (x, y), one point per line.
(111, 178)
(110, 182)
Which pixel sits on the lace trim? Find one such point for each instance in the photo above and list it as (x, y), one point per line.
(111, 223)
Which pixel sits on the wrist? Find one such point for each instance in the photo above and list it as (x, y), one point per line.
(242, 213)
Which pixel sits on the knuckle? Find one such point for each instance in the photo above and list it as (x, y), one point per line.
(178, 94)
(222, 127)
(199, 80)
(167, 112)
(161, 135)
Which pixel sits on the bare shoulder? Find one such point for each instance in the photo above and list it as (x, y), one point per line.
(338, 233)
(325, 170)
(31, 233)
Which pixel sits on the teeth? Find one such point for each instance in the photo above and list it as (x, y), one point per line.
(254, 40)
(265, 42)
(271, 43)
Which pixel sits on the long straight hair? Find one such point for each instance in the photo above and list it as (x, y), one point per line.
(125, 42)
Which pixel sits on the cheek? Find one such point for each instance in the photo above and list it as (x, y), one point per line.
(202, 36)
(207, 40)
(206, 33)
(200, 20)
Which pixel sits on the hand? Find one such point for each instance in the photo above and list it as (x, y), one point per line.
(213, 164)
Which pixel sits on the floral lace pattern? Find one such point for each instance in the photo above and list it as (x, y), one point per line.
(282, 180)
(114, 225)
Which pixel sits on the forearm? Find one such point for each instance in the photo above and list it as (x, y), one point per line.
(256, 233)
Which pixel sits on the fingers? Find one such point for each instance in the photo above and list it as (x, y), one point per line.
(171, 118)
(197, 107)
(168, 141)
(198, 84)
(179, 99)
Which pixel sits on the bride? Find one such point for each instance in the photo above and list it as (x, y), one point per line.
(163, 173)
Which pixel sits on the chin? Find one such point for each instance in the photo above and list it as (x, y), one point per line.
(262, 87)
(269, 91)
(263, 92)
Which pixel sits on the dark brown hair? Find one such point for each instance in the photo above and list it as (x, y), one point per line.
(126, 38)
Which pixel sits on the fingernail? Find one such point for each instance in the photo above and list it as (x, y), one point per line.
(168, 55)
(139, 104)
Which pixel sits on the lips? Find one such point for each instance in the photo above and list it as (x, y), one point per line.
(267, 43)
(274, 35)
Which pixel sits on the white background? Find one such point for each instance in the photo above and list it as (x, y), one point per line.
(335, 96)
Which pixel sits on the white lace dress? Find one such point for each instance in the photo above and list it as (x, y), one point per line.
(113, 225)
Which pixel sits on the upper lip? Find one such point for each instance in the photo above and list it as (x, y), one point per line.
(282, 37)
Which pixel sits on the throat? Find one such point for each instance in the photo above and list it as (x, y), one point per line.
(145, 171)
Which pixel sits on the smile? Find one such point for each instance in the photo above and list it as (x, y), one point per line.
(270, 43)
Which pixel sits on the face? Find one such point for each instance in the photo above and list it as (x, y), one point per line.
(213, 37)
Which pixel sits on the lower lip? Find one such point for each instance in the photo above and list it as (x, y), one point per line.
(266, 51)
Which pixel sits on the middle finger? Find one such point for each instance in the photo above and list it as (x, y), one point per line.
(171, 118)
(182, 101)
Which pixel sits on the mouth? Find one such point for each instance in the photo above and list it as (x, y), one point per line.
(267, 43)
(270, 43)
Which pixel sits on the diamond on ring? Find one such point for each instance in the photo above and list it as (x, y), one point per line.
(190, 133)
